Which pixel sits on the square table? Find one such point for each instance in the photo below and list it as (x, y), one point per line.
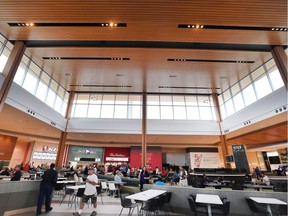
(208, 199)
(268, 202)
(146, 195)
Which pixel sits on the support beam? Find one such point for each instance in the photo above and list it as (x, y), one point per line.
(62, 148)
(223, 141)
(144, 129)
(10, 70)
(280, 59)
(61, 151)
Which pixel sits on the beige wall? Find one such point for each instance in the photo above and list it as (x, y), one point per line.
(7, 145)
(18, 154)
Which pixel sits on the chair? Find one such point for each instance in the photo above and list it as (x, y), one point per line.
(69, 192)
(58, 187)
(111, 187)
(167, 198)
(126, 203)
(99, 192)
(198, 204)
(151, 206)
(161, 204)
(281, 210)
(76, 179)
(224, 210)
(237, 185)
(80, 179)
(196, 209)
(80, 193)
(104, 187)
(256, 208)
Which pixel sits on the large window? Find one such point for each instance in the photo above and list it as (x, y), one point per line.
(124, 106)
(180, 107)
(251, 88)
(36, 81)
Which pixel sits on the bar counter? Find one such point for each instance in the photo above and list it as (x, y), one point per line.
(17, 195)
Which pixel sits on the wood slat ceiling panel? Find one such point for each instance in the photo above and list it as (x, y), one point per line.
(148, 21)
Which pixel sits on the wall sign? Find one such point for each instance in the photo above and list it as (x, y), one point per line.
(240, 157)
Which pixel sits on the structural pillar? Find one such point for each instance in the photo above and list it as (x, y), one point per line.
(10, 70)
(280, 58)
(144, 129)
(223, 141)
(62, 148)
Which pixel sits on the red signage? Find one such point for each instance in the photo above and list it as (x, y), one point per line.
(49, 149)
(117, 154)
(153, 157)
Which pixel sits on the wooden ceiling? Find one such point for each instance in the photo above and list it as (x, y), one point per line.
(151, 37)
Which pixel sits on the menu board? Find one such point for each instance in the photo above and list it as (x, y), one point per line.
(240, 157)
(44, 156)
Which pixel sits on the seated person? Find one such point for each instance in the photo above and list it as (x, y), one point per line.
(205, 180)
(265, 179)
(175, 177)
(16, 175)
(5, 172)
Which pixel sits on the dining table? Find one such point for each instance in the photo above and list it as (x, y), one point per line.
(268, 202)
(208, 199)
(144, 196)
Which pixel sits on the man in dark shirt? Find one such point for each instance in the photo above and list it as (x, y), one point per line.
(46, 187)
(16, 175)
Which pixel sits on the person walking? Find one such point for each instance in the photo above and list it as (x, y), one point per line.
(49, 180)
(90, 192)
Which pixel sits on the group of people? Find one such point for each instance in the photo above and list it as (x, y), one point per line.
(260, 177)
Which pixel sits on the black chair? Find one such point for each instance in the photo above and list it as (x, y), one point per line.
(237, 185)
(224, 210)
(161, 204)
(58, 188)
(126, 203)
(167, 198)
(196, 209)
(151, 206)
(256, 208)
(70, 193)
(197, 204)
(99, 192)
(79, 194)
(281, 210)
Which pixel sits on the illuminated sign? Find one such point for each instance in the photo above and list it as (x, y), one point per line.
(49, 149)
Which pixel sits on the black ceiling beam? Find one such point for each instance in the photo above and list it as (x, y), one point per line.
(149, 44)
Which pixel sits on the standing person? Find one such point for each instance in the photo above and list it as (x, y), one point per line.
(144, 177)
(16, 175)
(257, 172)
(49, 180)
(118, 181)
(89, 193)
(183, 177)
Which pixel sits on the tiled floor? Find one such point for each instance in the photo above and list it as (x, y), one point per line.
(111, 207)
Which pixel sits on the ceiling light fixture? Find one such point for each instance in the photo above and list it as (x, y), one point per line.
(252, 28)
(67, 24)
(208, 60)
(87, 58)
